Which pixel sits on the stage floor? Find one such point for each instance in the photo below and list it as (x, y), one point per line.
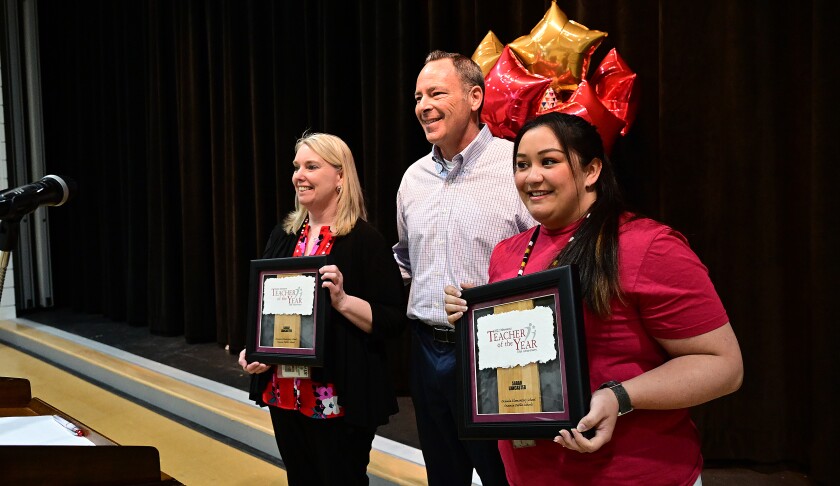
(207, 360)
(218, 413)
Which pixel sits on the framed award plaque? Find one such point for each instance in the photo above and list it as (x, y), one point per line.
(521, 357)
(287, 311)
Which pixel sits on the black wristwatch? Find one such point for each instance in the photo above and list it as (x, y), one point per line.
(624, 405)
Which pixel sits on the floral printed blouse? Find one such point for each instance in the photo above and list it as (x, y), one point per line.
(311, 398)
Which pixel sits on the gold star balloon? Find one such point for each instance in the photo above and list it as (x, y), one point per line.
(558, 48)
(488, 52)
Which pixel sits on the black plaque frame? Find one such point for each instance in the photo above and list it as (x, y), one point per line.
(313, 353)
(559, 289)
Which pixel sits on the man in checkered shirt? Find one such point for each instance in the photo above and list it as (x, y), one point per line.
(453, 206)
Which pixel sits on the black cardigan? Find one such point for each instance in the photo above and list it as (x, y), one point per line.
(354, 360)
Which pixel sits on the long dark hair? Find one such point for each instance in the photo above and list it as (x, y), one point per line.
(594, 248)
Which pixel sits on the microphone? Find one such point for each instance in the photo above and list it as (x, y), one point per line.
(51, 190)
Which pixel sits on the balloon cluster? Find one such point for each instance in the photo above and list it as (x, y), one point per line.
(544, 71)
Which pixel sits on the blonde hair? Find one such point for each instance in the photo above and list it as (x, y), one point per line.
(351, 202)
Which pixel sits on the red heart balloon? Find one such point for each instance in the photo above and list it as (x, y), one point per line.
(585, 104)
(512, 95)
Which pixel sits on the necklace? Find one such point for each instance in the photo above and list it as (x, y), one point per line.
(530, 248)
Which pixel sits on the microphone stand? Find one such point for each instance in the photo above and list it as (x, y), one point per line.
(9, 233)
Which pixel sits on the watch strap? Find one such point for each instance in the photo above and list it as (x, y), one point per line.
(624, 405)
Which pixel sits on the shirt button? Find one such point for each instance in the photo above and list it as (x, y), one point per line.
(436, 305)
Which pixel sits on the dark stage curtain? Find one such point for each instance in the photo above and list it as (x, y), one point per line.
(178, 120)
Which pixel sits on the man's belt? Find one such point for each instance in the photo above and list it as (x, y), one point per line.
(441, 334)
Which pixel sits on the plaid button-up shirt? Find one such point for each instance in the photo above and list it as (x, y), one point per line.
(449, 221)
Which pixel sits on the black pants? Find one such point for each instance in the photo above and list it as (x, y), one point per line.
(449, 461)
(321, 451)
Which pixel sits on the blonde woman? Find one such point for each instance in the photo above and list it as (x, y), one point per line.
(324, 424)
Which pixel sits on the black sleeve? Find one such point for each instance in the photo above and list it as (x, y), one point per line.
(280, 244)
(380, 283)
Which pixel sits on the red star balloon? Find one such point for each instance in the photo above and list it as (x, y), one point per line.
(585, 104)
(488, 52)
(558, 48)
(512, 95)
(615, 85)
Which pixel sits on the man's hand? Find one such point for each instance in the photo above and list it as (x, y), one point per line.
(454, 305)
